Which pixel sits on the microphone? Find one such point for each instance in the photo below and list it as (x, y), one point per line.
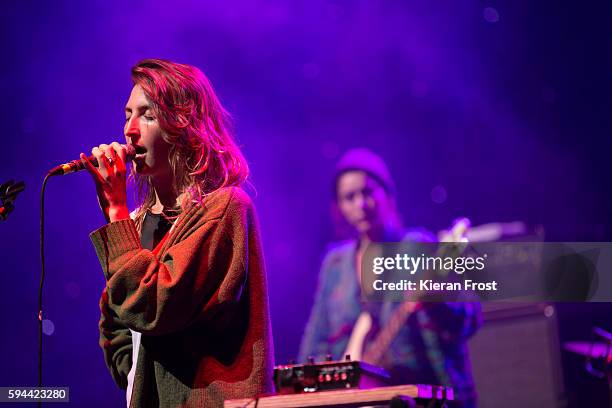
(77, 165)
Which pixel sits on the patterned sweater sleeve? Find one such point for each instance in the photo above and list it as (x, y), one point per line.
(116, 343)
(191, 281)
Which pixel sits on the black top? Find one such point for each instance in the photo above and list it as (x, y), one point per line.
(154, 228)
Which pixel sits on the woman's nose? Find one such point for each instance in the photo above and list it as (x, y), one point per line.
(131, 128)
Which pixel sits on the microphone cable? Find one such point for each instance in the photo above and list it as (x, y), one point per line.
(42, 280)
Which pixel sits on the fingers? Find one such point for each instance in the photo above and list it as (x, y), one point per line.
(111, 162)
(102, 154)
(91, 169)
(119, 156)
(109, 176)
(114, 155)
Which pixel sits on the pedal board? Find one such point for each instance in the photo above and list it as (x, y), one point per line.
(328, 375)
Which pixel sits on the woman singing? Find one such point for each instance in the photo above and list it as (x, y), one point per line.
(185, 318)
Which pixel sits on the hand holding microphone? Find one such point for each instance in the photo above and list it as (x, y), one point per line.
(107, 167)
(77, 165)
(110, 179)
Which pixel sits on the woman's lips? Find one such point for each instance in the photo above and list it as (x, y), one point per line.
(139, 149)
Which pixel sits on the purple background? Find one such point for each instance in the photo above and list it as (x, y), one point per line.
(503, 105)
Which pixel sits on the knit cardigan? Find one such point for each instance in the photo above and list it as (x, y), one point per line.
(199, 301)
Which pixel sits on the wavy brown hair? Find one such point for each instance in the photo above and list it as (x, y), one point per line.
(203, 154)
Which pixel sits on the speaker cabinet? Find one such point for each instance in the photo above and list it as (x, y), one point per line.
(516, 356)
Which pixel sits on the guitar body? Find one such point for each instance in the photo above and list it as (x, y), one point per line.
(360, 332)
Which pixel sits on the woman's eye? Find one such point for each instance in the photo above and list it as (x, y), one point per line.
(149, 117)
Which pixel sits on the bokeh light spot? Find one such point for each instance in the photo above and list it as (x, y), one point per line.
(48, 327)
(490, 15)
(438, 194)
